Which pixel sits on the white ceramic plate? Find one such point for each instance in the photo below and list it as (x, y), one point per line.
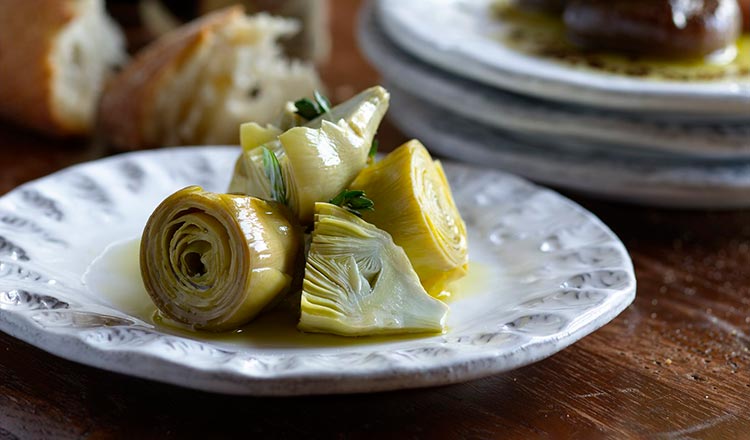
(590, 128)
(544, 273)
(679, 184)
(459, 36)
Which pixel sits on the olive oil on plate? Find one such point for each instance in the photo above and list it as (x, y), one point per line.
(115, 278)
(543, 36)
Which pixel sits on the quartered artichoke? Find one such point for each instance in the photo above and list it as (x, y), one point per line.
(413, 203)
(214, 261)
(358, 282)
(315, 161)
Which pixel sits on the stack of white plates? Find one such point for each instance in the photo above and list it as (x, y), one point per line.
(460, 90)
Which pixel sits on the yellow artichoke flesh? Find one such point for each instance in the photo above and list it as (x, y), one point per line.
(253, 135)
(289, 117)
(413, 203)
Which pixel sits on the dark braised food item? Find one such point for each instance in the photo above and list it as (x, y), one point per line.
(553, 6)
(745, 7)
(670, 28)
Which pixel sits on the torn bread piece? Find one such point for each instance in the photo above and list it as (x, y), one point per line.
(54, 58)
(196, 84)
(313, 42)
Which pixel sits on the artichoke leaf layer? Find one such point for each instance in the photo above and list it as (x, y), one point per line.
(358, 282)
(214, 261)
(414, 204)
(317, 160)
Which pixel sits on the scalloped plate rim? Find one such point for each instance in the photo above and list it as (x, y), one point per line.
(314, 383)
(129, 360)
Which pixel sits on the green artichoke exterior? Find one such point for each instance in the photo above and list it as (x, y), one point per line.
(317, 160)
(214, 261)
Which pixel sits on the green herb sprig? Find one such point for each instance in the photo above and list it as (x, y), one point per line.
(311, 109)
(373, 151)
(353, 201)
(272, 169)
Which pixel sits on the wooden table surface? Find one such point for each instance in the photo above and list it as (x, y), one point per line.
(673, 365)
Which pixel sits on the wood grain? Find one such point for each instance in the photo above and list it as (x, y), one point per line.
(673, 365)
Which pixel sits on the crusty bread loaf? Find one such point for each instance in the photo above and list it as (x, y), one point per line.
(54, 56)
(196, 84)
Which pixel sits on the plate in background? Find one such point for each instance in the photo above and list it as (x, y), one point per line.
(583, 127)
(460, 36)
(597, 173)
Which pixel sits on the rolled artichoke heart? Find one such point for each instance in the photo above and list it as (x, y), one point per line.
(317, 160)
(214, 261)
(358, 282)
(413, 203)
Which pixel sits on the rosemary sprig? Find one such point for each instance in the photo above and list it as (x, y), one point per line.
(323, 102)
(311, 109)
(353, 201)
(275, 177)
(373, 151)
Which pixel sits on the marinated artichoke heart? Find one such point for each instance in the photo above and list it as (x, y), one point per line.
(289, 118)
(214, 261)
(358, 282)
(413, 203)
(316, 160)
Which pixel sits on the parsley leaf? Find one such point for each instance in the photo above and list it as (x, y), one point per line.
(310, 109)
(306, 108)
(353, 201)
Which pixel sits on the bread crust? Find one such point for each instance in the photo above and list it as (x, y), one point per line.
(26, 67)
(129, 98)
